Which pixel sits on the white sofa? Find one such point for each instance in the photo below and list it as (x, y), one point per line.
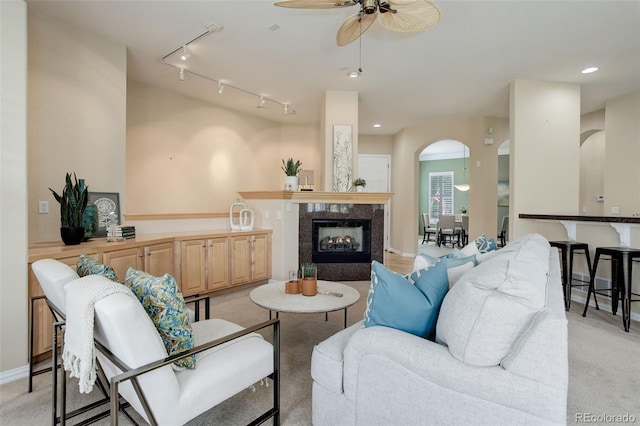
(501, 356)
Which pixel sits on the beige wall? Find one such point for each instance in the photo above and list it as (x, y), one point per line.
(375, 145)
(622, 174)
(189, 156)
(13, 188)
(338, 107)
(544, 119)
(592, 159)
(77, 101)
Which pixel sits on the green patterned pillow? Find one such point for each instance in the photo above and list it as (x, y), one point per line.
(166, 308)
(88, 266)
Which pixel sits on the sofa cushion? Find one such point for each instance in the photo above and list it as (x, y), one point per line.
(88, 266)
(492, 306)
(166, 308)
(411, 303)
(457, 264)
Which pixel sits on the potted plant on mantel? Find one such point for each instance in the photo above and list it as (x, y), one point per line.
(359, 184)
(291, 169)
(73, 203)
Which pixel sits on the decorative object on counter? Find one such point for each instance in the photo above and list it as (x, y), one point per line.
(463, 209)
(293, 286)
(306, 180)
(90, 221)
(342, 157)
(120, 232)
(108, 204)
(291, 169)
(359, 184)
(309, 279)
(244, 214)
(73, 202)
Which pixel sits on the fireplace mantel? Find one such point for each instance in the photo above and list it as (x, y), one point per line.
(301, 197)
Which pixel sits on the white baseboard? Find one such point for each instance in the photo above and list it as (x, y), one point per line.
(13, 375)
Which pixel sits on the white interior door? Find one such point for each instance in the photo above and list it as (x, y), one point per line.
(376, 170)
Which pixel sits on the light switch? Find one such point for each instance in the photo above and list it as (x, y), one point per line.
(43, 207)
(615, 210)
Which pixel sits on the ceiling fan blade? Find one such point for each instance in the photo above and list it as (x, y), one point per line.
(315, 4)
(411, 16)
(353, 27)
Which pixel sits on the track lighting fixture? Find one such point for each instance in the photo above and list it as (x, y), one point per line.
(185, 53)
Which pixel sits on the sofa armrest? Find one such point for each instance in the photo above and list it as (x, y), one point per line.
(392, 374)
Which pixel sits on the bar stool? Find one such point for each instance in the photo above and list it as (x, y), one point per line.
(622, 259)
(568, 248)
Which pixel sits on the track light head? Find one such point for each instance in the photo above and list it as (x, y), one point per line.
(181, 74)
(185, 53)
(220, 87)
(261, 104)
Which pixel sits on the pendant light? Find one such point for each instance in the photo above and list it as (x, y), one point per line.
(464, 187)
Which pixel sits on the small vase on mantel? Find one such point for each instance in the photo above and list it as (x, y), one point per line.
(291, 183)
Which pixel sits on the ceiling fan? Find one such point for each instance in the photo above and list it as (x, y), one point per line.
(394, 15)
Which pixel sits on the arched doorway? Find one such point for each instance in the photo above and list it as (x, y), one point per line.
(443, 165)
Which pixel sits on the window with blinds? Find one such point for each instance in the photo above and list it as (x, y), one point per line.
(440, 194)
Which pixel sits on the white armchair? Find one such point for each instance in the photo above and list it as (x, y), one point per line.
(133, 358)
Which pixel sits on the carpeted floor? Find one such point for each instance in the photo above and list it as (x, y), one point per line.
(604, 368)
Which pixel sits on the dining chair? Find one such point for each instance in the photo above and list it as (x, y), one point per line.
(447, 229)
(427, 230)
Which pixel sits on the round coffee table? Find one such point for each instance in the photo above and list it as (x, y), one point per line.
(272, 297)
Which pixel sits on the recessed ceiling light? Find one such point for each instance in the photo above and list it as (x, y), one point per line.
(589, 70)
(354, 74)
(377, 125)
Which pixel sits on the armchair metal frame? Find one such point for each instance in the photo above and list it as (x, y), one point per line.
(132, 374)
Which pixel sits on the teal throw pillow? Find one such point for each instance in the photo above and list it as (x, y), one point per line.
(408, 303)
(165, 306)
(485, 245)
(88, 266)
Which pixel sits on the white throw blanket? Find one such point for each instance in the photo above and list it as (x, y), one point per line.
(79, 351)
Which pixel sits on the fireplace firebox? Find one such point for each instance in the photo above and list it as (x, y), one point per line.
(341, 241)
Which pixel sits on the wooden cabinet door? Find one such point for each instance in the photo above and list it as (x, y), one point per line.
(193, 267)
(240, 260)
(121, 260)
(260, 257)
(217, 263)
(158, 259)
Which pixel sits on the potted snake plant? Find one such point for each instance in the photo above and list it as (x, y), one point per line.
(73, 202)
(291, 169)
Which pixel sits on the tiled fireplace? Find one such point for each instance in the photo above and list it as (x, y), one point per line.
(341, 239)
